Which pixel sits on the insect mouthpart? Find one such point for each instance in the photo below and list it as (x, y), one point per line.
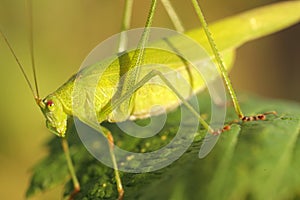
(61, 130)
(58, 128)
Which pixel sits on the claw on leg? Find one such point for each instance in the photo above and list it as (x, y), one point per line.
(75, 191)
(121, 194)
(258, 117)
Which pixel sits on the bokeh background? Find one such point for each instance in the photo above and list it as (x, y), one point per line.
(65, 32)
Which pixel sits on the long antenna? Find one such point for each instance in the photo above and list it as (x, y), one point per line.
(19, 64)
(31, 47)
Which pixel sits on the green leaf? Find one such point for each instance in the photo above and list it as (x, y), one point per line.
(256, 160)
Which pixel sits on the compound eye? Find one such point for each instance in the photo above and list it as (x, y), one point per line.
(49, 104)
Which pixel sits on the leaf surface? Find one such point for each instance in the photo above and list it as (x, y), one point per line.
(257, 160)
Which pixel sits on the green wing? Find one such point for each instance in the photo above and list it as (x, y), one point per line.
(228, 33)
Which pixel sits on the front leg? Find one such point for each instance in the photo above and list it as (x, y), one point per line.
(111, 144)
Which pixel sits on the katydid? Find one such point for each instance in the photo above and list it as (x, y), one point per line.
(57, 107)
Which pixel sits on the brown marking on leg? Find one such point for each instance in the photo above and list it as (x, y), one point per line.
(75, 191)
(258, 116)
(121, 193)
(243, 119)
(110, 140)
(226, 128)
(241, 116)
(261, 116)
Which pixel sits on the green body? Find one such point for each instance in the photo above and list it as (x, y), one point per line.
(251, 25)
(145, 97)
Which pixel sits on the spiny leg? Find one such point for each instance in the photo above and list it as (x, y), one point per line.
(217, 55)
(76, 184)
(130, 79)
(224, 72)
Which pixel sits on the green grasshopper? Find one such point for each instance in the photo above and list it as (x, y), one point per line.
(57, 108)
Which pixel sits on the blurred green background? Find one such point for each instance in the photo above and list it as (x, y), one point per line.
(65, 32)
